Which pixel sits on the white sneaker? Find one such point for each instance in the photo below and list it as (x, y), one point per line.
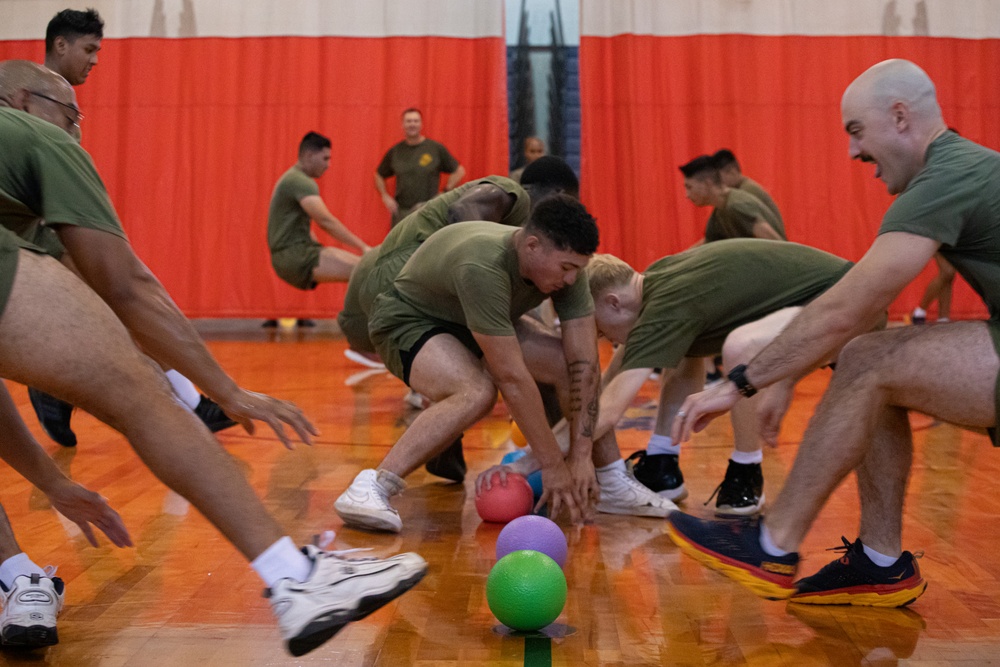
(337, 592)
(29, 611)
(365, 503)
(621, 493)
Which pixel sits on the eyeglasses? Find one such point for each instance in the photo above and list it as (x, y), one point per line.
(75, 119)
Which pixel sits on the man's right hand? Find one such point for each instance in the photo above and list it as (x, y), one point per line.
(391, 204)
(560, 493)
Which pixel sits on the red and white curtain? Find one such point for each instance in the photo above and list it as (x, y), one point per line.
(197, 107)
(662, 82)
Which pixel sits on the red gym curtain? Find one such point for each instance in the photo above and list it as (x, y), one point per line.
(197, 107)
(662, 82)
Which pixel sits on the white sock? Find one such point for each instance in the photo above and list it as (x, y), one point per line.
(662, 444)
(767, 545)
(879, 559)
(282, 560)
(184, 388)
(18, 566)
(747, 457)
(611, 467)
(919, 312)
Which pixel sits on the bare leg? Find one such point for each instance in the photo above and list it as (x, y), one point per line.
(446, 372)
(81, 353)
(8, 543)
(688, 378)
(335, 265)
(948, 371)
(740, 347)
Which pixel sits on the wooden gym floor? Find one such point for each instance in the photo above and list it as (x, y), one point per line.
(184, 596)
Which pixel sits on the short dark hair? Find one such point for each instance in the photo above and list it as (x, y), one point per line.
(70, 24)
(412, 110)
(549, 174)
(312, 142)
(723, 158)
(701, 167)
(566, 222)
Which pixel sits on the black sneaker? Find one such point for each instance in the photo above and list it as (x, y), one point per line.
(659, 472)
(304, 323)
(741, 492)
(854, 579)
(270, 324)
(54, 415)
(733, 548)
(450, 463)
(209, 412)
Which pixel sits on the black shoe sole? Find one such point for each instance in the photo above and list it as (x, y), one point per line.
(56, 426)
(325, 627)
(32, 636)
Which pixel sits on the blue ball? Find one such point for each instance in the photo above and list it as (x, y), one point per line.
(510, 457)
(535, 482)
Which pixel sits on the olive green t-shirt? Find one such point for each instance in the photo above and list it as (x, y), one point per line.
(735, 218)
(692, 301)
(417, 170)
(287, 222)
(415, 228)
(468, 274)
(45, 174)
(757, 190)
(955, 199)
(404, 239)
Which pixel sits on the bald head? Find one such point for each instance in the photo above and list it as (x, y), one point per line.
(30, 87)
(892, 81)
(891, 115)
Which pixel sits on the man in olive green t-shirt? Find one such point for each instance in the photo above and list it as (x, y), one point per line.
(417, 164)
(297, 257)
(733, 177)
(728, 298)
(948, 200)
(447, 328)
(493, 198)
(68, 336)
(735, 213)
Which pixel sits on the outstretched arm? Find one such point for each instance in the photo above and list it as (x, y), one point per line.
(108, 264)
(847, 309)
(83, 507)
(315, 208)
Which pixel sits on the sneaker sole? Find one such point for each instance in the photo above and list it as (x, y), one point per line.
(322, 629)
(359, 519)
(729, 510)
(761, 587)
(651, 512)
(674, 495)
(900, 598)
(30, 636)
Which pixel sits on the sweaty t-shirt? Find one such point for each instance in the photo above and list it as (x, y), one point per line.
(45, 174)
(692, 301)
(417, 170)
(955, 199)
(736, 217)
(287, 222)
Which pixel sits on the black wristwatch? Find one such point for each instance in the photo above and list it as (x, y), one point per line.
(739, 378)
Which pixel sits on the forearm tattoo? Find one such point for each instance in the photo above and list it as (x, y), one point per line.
(583, 396)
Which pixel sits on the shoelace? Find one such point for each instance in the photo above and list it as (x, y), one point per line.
(848, 546)
(325, 539)
(735, 479)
